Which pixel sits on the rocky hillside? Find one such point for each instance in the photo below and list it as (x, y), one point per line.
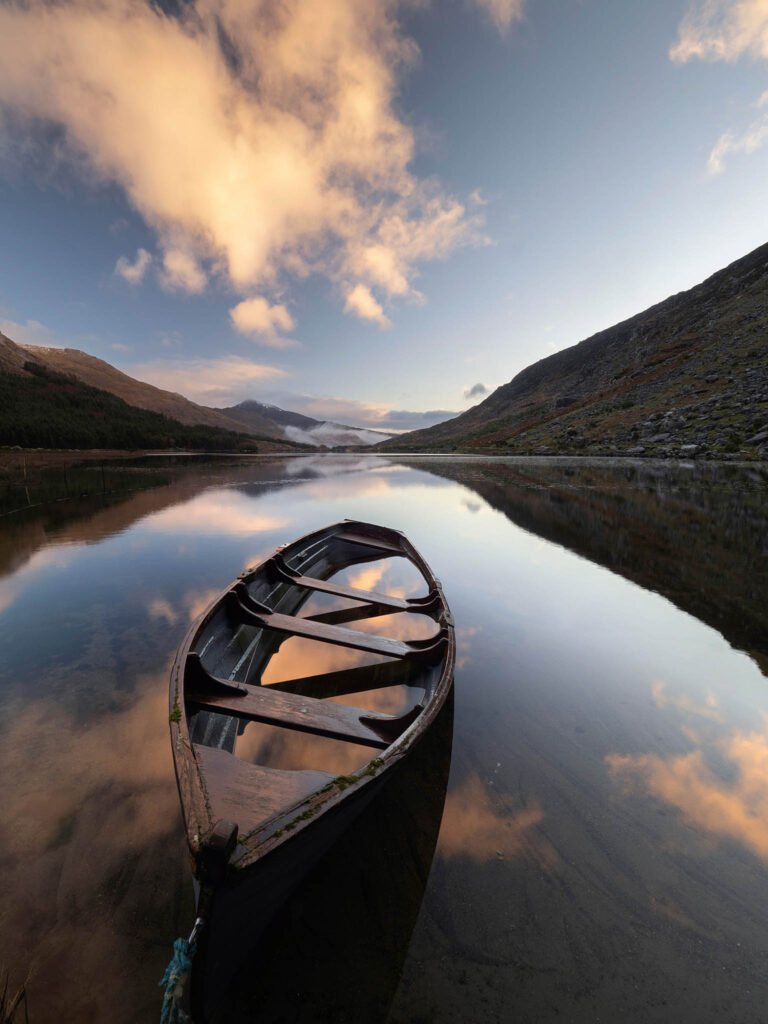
(688, 377)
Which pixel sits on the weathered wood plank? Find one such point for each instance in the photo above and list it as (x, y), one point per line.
(338, 635)
(355, 614)
(339, 590)
(293, 711)
(247, 794)
(353, 680)
(370, 542)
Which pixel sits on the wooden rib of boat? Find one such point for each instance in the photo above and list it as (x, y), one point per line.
(237, 813)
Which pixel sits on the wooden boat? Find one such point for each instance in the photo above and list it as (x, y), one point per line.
(244, 818)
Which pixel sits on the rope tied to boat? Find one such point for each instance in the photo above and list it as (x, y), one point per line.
(174, 980)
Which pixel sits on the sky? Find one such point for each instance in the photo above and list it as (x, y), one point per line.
(373, 212)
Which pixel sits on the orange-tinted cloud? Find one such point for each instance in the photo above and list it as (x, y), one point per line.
(726, 30)
(255, 138)
(256, 317)
(502, 12)
(134, 272)
(722, 30)
(211, 381)
(361, 301)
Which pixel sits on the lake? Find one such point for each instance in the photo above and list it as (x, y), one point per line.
(585, 837)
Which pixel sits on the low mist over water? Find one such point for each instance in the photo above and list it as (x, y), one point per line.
(586, 836)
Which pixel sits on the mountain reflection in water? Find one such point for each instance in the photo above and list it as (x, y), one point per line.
(602, 851)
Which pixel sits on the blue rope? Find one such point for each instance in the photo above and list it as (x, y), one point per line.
(173, 980)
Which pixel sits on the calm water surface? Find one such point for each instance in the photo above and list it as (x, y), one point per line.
(602, 851)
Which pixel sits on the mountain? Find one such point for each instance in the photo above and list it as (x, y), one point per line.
(304, 429)
(689, 376)
(56, 398)
(258, 419)
(99, 374)
(42, 408)
(251, 413)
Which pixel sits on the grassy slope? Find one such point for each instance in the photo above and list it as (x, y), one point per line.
(102, 375)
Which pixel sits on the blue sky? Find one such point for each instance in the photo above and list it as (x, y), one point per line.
(365, 216)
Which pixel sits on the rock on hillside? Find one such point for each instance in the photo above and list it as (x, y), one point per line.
(688, 377)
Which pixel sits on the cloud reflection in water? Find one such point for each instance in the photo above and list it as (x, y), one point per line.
(91, 852)
(475, 826)
(729, 800)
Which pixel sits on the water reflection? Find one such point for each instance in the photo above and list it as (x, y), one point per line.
(697, 534)
(720, 787)
(90, 854)
(479, 827)
(602, 852)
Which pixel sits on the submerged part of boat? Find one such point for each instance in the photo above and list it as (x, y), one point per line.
(249, 809)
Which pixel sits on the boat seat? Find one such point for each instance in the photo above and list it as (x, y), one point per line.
(255, 614)
(369, 542)
(300, 712)
(420, 605)
(360, 679)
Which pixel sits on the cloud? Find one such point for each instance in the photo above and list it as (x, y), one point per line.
(749, 142)
(255, 140)
(170, 339)
(502, 12)
(181, 272)
(476, 391)
(220, 382)
(257, 316)
(726, 30)
(134, 272)
(32, 332)
(361, 302)
(722, 30)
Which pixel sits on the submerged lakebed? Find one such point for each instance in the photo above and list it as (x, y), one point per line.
(586, 837)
